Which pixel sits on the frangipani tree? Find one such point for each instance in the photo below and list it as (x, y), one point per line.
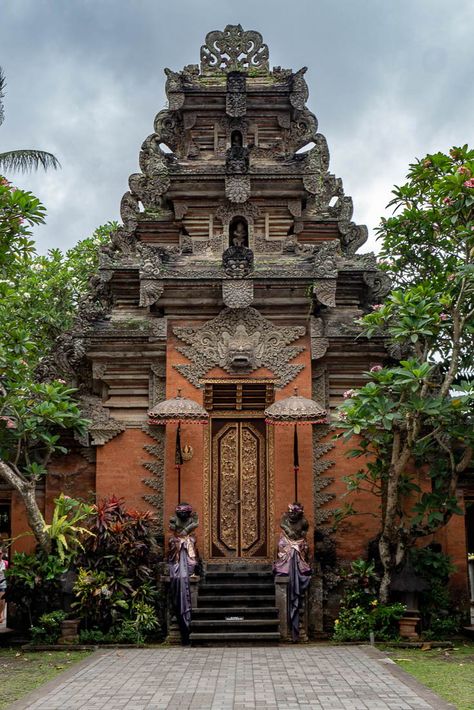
(38, 297)
(417, 415)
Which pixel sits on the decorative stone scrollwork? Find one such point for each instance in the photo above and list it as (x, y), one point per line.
(323, 257)
(237, 294)
(129, 210)
(294, 206)
(379, 284)
(237, 188)
(174, 89)
(353, 236)
(233, 50)
(239, 340)
(150, 292)
(299, 89)
(301, 131)
(102, 427)
(324, 291)
(152, 160)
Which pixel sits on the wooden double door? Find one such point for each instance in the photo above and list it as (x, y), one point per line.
(238, 483)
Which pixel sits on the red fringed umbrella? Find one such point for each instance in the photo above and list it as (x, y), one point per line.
(295, 410)
(178, 409)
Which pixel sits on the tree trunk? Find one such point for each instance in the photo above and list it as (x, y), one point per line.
(27, 490)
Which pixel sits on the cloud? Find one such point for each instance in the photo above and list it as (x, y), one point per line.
(388, 82)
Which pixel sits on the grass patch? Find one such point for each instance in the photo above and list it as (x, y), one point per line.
(448, 672)
(22, 672)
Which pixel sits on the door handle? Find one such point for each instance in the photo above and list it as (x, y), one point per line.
(237, 502)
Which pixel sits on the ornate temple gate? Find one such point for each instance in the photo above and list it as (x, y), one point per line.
(238, 483)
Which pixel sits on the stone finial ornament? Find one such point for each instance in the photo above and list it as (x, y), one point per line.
(234, 49)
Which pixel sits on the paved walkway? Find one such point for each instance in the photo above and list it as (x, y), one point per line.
(316, 677)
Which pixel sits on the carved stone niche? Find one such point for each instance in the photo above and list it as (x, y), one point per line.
(229, 210)
(239, 340)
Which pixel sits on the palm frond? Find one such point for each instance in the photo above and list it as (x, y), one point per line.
(3, 83)
(26, 160)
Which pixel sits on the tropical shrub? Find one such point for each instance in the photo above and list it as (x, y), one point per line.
(360, 612)
(116, 590)
(48, 630)
(34, 586)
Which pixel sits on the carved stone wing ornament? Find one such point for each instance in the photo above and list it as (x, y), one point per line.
(239, 340)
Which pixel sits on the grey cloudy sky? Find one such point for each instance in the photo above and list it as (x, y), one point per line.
(389, 80)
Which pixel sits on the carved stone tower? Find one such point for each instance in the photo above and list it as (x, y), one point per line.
(234, 278)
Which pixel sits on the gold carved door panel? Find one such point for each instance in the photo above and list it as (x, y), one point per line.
(238, 489)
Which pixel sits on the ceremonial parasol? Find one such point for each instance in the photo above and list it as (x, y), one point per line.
(295, 410)
(178, 409)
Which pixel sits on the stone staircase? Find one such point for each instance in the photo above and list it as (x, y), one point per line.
(236, 604)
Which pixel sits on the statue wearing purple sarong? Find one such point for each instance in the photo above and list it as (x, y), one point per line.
(182, 559)
(292, 561)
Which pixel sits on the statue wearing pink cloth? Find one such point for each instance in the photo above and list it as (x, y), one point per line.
(292, 560)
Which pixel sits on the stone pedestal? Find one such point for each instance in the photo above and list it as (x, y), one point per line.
(281, 598)
(173, 636)
(69, 632)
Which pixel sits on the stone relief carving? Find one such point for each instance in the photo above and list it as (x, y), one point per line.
(233, 50)
(239, 340)
(267, 246)
(237, 188)
(237, 293)
(319, 344)
(236, 98)
(102, 427)
(155, 466)
(237, 261)
(157, 383)
(230, 209)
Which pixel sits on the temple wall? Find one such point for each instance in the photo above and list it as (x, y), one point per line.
(120, 469)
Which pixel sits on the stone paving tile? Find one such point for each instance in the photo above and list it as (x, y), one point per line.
(274, 678)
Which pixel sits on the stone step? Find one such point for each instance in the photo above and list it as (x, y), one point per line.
(228, 600)
(247, 587)
(238, 567)
(232, 579)
(236, 624)
(225, 637)
(245, 611)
